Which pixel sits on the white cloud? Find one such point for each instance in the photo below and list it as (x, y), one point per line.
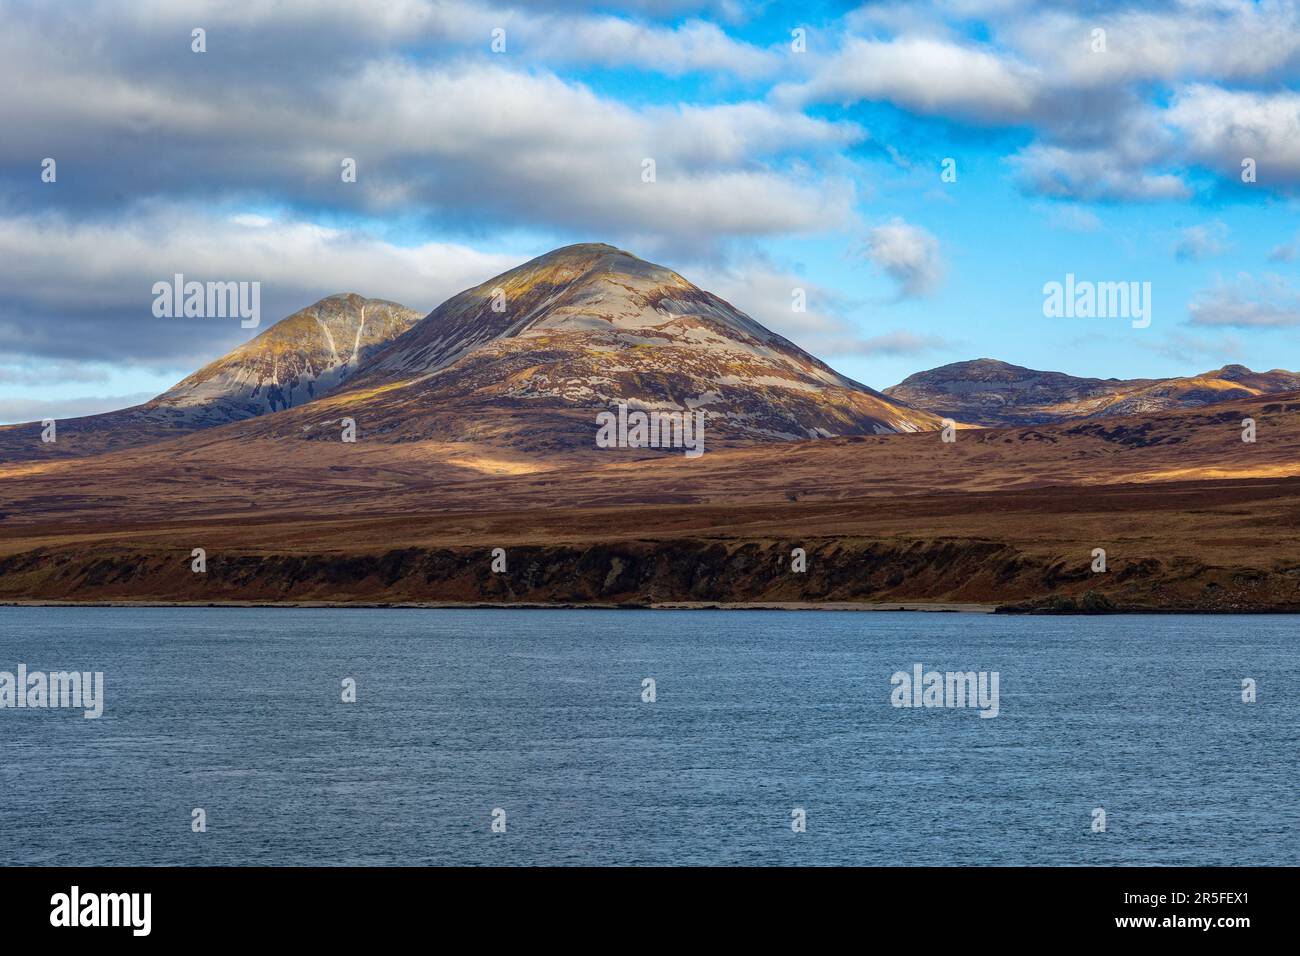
(692, 46)
(470, 140)
(1223, 127)
(84, 289)
(1099, 134)
(1285, 252)
(533, 34)
(1073, 218)
(1247, 302)
(1201, 242)
(1227, 39)
(901, 342)
(1193, 351)
(557, 153)
(733, 134)
(908, 254)
(766, 292)
(925, 74)
(1093, 175)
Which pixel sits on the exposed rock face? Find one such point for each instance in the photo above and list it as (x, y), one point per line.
(992, 393)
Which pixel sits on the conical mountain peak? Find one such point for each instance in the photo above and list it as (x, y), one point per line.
(589, 326)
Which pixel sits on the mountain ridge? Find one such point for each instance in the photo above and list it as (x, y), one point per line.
(309, 353)
(992, 393)
(527, 358)
(539, 348)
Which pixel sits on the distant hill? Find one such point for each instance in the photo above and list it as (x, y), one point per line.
(991, 393)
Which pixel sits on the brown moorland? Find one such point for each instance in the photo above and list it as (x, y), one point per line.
(1191, 517)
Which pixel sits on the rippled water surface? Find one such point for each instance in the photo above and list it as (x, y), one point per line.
(540, 714)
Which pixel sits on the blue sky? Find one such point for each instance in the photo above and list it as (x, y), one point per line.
(1103, 140)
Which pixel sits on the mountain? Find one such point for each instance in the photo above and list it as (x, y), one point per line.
(992, 393)
(311, 353)
(314, 352)
(475, 430)
(530, 356)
